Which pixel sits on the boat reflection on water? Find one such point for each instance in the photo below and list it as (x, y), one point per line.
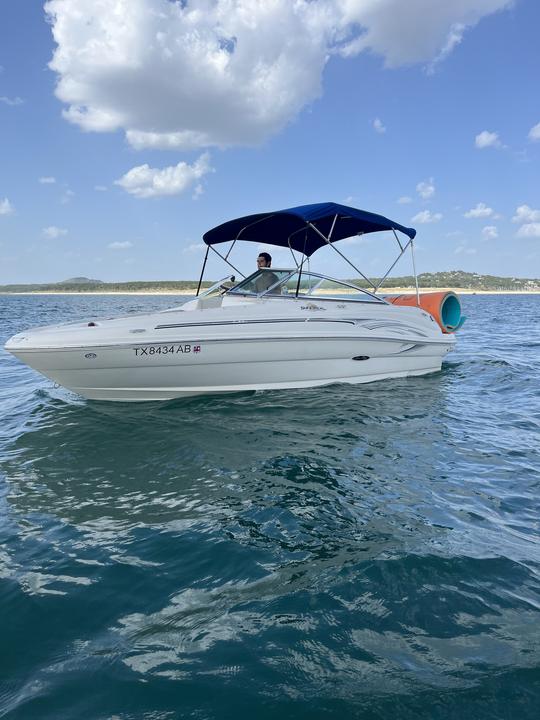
(157, 462)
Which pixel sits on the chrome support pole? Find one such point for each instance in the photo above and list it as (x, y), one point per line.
(327, 241)
(415, 275)
(304, 258)
(333, 226)
(300, 275)
(261, 219)
(292, 253)
(397, 240)
(230, 249)
(202, 271)
(392, 266)
(225, 260)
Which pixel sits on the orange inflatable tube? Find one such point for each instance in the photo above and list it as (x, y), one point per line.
(443, 306)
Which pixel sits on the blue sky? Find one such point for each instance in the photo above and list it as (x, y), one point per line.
(130, 127)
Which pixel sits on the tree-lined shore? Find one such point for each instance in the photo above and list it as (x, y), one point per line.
(453, 279)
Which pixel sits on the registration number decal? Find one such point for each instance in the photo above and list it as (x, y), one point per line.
(166, 350)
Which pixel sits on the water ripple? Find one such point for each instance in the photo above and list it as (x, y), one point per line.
(368, 551)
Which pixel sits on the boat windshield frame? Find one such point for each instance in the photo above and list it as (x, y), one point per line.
(286, 275)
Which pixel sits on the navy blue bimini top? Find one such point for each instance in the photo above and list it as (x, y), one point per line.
(293, 227)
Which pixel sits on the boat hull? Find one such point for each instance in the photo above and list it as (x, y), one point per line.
(145, 372)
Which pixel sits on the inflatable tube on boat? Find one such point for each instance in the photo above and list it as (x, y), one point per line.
(443, 306)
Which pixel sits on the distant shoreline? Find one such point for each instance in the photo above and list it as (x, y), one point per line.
(191, 293)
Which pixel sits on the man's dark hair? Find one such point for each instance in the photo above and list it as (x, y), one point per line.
(267, 257)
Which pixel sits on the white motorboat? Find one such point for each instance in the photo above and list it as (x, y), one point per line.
(276, 329)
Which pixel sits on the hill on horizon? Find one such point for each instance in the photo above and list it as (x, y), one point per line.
(80, 280)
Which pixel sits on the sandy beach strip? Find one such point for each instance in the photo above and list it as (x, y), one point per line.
(191, 293)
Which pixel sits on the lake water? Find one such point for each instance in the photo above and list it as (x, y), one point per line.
(367, 551)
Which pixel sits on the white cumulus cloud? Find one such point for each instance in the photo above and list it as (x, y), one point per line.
(145, 182)
(390, 27)
(529, 230)
(197, 192)
(66, 197)
(49, 180)
(6, 208)
(119, 245)
(487, 139)
(194, 248)
(378, 126)
(198, 73)
(404, 200)
(53, 232)
(426, 216)
(529, 219)
(490, 232)
(426, 189)
(480, 211)
(12, 102)
(454, 38)
(525, 214)
(534, 133)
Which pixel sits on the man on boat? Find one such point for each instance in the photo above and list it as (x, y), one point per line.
(264, 260)
(265, 279)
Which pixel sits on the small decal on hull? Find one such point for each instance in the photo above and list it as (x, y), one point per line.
(90, 356)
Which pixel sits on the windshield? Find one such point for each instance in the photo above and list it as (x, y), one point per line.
(270, 282)
(261, 281)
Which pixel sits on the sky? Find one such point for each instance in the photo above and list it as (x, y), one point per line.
(130, 127)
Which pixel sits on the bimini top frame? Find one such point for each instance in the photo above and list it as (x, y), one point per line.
(307, 228)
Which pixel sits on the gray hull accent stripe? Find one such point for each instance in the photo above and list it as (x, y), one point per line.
(199, 341)
(253, 322)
